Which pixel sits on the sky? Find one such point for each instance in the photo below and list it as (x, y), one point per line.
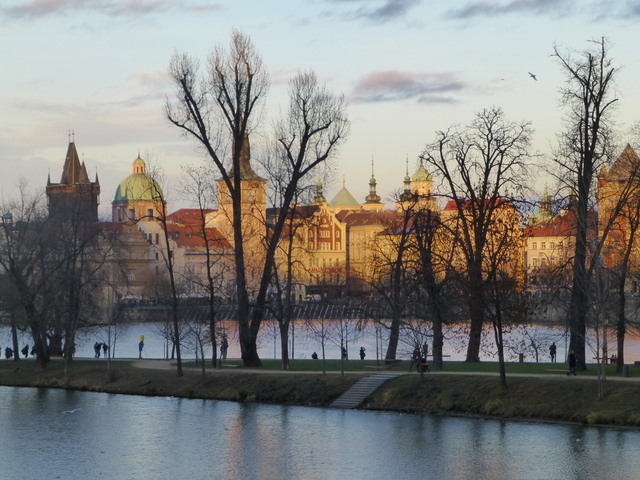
(408, 68)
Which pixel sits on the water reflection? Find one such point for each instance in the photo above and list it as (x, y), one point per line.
(77, 435)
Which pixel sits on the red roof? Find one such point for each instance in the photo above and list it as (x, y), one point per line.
(189, 216)
(190, 236)
(561, 226)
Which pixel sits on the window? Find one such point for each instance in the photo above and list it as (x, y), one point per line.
(534, 246)
(543, 245)
(560, 245)
(535, 262)
(552, 245)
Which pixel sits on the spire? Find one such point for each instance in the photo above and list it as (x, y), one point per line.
(373, 197)
(319, 198)
(246, 171)
(406, 194)
(72, 170)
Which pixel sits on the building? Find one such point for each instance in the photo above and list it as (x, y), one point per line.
(75, 196)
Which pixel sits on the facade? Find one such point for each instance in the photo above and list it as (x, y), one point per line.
(331, 244)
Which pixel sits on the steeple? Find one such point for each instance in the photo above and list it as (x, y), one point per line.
(72, 170)
(373, 197)
(406, 194)
(246, 171)
(319, 197)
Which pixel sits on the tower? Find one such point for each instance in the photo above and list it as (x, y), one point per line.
(372, 201)
(75, 196)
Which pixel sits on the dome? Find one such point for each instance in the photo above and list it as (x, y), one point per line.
(421, 175)
(138, 186)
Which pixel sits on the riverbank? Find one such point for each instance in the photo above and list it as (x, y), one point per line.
(549, 397)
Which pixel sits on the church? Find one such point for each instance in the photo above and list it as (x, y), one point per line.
(331, 240)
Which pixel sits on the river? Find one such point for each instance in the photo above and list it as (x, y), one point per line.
(57, 434)
(302, 344)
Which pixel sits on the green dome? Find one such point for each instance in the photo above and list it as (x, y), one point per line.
(421, 175)
(138, 186)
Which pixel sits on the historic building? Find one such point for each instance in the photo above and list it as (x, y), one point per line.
(75, 196)
(619, 217)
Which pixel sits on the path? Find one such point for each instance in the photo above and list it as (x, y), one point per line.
(364, 387)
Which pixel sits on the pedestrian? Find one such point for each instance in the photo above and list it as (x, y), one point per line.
(314, 356)
(96, 349)
(224, 346)
(552, 352)
(140, 347)
(8, 353)
(344, 354)
(25, 351)
(105, 348)
(362, 354)
(415, 359)
(33, 350)
(572, 364)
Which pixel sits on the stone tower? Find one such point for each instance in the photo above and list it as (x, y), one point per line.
(75, 196)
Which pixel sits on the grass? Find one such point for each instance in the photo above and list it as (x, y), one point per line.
(359, 366)
(557, 397)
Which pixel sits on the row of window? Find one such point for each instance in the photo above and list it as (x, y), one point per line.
(552, 245)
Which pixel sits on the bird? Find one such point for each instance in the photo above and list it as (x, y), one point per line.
(533, 76)
(72, 411)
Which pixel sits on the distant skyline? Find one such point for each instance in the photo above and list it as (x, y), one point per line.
(408, 68)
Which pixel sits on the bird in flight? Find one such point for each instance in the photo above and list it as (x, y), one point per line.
(533, 76)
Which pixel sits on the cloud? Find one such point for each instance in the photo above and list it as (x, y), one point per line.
(493, 8)
(381, 11)
(393, 86)
(36, 9)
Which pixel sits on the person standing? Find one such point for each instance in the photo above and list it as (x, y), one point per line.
(362, 354)
(140, 347)
(224, 346)
(572, 364)
(552, 352)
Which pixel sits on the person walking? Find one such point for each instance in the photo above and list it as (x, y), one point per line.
(362, 354)
(552, 352)
(572, 364)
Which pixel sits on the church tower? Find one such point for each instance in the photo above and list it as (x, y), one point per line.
(253, 194)
(75, 197)
(372, 201)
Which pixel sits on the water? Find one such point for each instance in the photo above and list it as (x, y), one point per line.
(375, 341)
(49, 434)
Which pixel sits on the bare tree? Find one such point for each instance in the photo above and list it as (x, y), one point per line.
(582, 149)
(482, 168)
(220, 112)
(201, 189)
(25, 261)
